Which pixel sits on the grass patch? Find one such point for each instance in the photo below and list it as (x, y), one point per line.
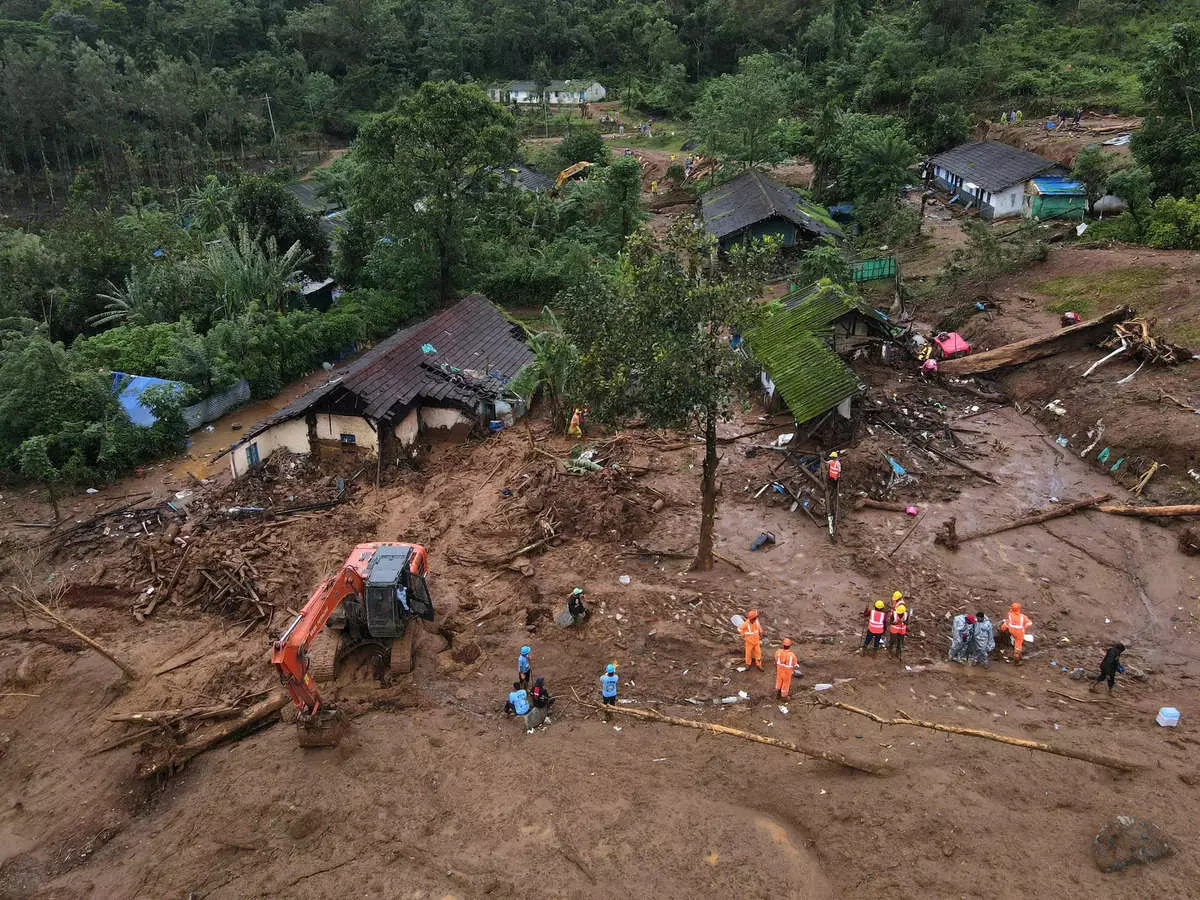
(1101, 291)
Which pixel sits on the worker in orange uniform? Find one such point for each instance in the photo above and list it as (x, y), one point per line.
(752, 632)
(833, 468)
(1016, 623)
(897, 628)
(876, 617)
(785, 667)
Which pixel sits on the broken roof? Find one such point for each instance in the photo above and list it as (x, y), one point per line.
(808, 375)
(464, 351)
(525, 178)
(818, 306)
(993, 166)
(753, 198)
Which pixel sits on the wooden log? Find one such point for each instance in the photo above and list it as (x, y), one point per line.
(36, 606)
(868, 503)
(1057, 512)
(1192, 509)
(811, 752)
(1030, 349)
(905, 719)
(250, 720)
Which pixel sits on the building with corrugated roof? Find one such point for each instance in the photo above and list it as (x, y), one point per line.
(990, 175)
(754, 206)
(440, 379)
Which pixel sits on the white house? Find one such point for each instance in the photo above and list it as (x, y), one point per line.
(990, 175)
(441, 379)
(558, 93)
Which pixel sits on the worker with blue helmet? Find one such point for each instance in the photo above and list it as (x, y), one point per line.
(524, 667)
(608, 685)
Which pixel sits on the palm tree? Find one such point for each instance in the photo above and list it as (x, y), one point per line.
(552, 369)
(127, 305)
(210, 205)
(242, 269)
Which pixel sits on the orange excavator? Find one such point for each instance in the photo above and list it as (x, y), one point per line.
(370, 601)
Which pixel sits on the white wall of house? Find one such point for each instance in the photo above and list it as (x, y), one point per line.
(291, 435)
(437, 418)
(331, 428)
(1008, 202)
(407, 430)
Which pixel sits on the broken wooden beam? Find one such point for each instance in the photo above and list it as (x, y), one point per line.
(869, 503)
(811, 752)
(31, 604)
(1030, 349)
(905, 719)
(1148, 512)
(1057, 512)
(251, 719)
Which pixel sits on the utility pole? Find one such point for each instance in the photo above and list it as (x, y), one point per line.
(274, 134)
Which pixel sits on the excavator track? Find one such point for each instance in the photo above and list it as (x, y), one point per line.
(323, 656)
(401, 661)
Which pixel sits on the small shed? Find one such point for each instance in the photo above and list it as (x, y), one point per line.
(800, 368)
(753, 206)
(1055, 198)
(990, 175)
(441, 379)
(844, 322)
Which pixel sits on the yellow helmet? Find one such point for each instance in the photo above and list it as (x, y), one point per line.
(896, 595)
(879, 604)
(901, 608)
(833, 455)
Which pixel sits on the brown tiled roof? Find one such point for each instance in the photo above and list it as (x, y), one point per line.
(471, 335)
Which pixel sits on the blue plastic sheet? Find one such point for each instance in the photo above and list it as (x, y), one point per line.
(129, 390)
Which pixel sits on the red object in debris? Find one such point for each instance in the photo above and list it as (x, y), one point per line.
(951, 345)
(1070, 318)
(139, 472)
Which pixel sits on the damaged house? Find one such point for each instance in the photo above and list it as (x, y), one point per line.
(440, 379)
(802, 346)
(754, 206)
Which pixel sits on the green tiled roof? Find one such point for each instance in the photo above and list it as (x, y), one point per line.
(808, 375)
(819, 305)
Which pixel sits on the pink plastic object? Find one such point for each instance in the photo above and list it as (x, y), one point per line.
(910, 510)
(951, 345)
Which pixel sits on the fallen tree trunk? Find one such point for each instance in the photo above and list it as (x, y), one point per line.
(1030, 349)
(1192, 509)
(952, 539)
(868, 503)
(41, 609)
(905, 719)
(250, 720)
(653, 716)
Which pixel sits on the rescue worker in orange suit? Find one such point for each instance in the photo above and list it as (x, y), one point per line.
(833, 468)
(1016, 623)
(876, 618)
(785, 667)
(897, 628)
(752, 632)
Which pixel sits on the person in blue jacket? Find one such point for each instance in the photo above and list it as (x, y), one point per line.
(518, 701)
(608, 685)
(524, 667)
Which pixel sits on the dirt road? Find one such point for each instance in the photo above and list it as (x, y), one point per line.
(436, 793)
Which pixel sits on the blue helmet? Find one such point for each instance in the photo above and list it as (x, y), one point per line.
(610, 669)
(524, 651)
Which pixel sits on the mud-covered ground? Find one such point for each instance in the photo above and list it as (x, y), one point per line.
(435, 793)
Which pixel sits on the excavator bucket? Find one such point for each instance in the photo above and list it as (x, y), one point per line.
(324, 728)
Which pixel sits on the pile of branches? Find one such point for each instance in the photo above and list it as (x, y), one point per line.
(1136, 338)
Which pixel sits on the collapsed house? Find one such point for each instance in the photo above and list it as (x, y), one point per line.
(438, 380)
(754, 206)
(801, 349)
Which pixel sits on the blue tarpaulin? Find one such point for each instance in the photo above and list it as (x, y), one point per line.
(129, 390)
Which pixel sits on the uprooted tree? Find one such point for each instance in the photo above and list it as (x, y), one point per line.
(655, 339)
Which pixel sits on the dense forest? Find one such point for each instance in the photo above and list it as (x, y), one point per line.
(146, 148)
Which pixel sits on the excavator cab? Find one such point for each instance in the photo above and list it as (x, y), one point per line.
(394, 593)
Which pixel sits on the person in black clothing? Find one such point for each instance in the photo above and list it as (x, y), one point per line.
(575, 606)
(1110, 666)
(541, 695)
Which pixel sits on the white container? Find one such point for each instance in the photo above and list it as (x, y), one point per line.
(822, 687)
(1168, 717)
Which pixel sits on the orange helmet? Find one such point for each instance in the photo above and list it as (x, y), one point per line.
(753, 614)
(1016, 607)
(787, 642)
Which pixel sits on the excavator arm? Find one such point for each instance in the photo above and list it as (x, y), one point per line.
(289, 652)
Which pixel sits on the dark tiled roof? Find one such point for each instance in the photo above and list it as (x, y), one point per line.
(472, 335)
(753, 198)
(993, 166)
(525, 178)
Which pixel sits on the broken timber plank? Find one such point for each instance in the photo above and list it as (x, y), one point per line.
(1192, 509)
(1060, 510)
(1030, 349)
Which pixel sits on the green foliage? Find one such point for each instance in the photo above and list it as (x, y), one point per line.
(825, 260)
(1168, 144)
(209, 206)
(986, 256)
(583, 144)
(424, 170)
(267, 209)
(1093, 167)
(738, 116)
(552, 371)
(1101, 291)
(1174, 224)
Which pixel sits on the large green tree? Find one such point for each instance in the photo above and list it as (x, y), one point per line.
(677, 366)
(427, 166)
(1168, 144)
(738, 116)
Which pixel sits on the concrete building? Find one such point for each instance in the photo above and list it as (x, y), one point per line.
(990, 175)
